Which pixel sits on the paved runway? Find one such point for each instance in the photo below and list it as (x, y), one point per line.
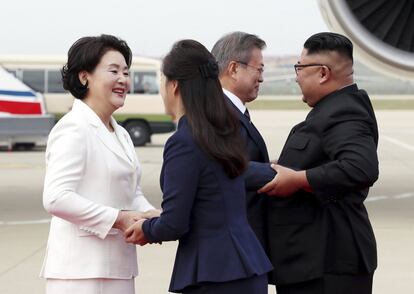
(24, 223)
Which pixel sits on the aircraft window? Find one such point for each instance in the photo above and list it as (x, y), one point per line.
(145, 83)
(35, 79)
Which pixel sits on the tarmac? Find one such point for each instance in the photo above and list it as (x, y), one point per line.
(24, 224)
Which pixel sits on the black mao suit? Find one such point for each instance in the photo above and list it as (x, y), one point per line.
(326, 231)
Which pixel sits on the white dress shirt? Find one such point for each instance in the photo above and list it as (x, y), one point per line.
(235, 100)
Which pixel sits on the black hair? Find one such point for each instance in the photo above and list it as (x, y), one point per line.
(84, 55)
(214, 125)
(327, 41)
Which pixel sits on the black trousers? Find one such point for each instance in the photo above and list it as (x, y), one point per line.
(331, 284)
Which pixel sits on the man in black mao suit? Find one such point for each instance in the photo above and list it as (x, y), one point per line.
(240, 61)
(320, 237)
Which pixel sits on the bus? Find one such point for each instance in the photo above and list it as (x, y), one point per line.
(142, 114)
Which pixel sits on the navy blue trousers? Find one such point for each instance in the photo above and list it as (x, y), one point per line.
(253, 285)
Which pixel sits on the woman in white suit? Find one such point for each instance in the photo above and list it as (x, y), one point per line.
(92, 182)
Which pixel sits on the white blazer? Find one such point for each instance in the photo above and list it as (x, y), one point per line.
(89, 178)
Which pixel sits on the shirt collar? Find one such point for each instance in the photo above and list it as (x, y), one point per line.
(235, 100)
(347, 86)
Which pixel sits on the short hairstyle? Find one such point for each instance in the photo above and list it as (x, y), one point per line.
(213, 123)
(84, 55)
(327, 41)
(236, 46)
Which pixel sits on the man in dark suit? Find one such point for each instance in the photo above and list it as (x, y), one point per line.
(320, 237)
(240, 61)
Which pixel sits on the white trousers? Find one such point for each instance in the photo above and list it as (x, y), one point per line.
(90, 286)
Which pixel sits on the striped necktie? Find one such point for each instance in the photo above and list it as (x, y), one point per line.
(247, 114)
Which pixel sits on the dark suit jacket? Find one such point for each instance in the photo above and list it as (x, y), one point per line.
(206, 211)
(328, 230)
(257, 151)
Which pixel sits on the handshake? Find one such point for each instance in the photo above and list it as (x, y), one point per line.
(130, 223)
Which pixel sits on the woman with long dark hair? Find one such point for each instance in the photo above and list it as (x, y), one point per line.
(203, 191)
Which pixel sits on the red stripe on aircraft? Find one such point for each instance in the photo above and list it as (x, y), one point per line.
(13, 107)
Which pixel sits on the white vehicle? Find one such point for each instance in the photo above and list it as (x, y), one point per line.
(143, 112)
(23, 119)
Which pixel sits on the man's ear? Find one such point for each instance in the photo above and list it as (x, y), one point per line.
(325, 74)
(232, 68)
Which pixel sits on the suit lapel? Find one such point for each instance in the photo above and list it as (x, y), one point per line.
(104, 135)
(102, 132)
(255, 135)
(252, 132)
(124, 140)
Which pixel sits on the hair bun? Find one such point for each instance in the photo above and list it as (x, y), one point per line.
(209, 69)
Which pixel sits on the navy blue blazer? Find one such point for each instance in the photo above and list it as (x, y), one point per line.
(206, 211)
(256, 150)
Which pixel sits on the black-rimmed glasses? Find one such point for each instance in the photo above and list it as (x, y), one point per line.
(260, 70)
(297, 66)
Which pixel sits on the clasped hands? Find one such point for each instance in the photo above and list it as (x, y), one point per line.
(130, 223)
(286, 182)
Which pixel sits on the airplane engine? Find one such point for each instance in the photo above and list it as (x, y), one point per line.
(382, 32)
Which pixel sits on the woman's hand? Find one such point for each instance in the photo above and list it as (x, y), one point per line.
(151, 213)
(127, 218)
(135, 235)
